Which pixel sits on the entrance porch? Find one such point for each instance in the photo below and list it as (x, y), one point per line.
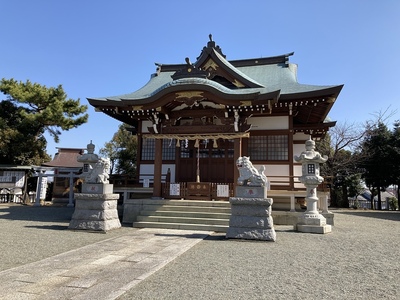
(204, 205)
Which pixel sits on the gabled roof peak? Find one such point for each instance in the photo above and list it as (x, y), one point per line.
(212, 64)
(211, 45)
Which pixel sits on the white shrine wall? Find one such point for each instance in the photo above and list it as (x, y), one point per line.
(299, 136)
(146, 124)
(147, 170)
(269, 123)
(273, 173)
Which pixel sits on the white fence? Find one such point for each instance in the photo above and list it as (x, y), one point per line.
(366, 204)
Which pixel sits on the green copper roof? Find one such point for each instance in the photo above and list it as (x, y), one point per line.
(260, 75)
(272, 77)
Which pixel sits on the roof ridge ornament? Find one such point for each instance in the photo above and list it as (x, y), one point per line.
(190, 71)
(212, 45)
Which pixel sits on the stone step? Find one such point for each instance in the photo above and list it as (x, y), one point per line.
(185, 220)
(186, 214)
(182, 226)
(191, 208)
(188, 203)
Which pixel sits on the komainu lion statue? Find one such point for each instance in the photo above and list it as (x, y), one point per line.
(99, 172)
(248, 174)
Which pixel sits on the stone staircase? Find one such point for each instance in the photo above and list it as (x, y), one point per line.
(184, 214)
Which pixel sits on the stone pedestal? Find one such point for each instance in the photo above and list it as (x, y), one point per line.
(95, 211)
(258, 192)
(97, 188)
(251, 217)
(311, 221)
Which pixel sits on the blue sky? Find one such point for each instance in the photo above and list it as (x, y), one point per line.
(105, 48)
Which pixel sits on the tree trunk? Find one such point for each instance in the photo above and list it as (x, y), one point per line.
(334, 198)
(379, 199)
(345, 196)
(372, 197)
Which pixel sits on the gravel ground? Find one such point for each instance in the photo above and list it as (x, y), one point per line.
(358, 260)
(30, 233)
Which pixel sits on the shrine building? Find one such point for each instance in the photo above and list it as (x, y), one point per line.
(194, 119)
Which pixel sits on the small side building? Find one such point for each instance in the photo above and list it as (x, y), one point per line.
(65, 166)
(13, 183)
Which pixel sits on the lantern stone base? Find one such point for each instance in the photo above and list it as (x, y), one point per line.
(251, 219)
(97, 212)
(313, 228)
(312, 223)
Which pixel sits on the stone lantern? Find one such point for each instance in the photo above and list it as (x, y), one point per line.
(311, 220)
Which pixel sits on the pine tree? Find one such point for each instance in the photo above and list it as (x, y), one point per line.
(28, 112)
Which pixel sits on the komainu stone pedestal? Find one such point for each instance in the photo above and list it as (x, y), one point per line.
(251, 217)
(95, 211)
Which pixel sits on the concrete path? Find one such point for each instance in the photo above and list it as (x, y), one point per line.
(103, 270)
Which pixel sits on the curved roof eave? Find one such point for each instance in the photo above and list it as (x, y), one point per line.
(154, 83)
(316, 92)
(183, 84)
(201, 83)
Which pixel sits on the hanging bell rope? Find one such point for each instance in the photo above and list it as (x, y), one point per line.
(215, 144)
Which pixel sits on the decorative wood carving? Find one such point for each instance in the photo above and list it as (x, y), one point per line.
(210, 64)
(238, 83)
(189, 94)
(200, 129)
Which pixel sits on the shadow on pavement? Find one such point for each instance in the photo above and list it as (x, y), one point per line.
(189, 236)
(49, 227)
(385, 215)
(36, 213)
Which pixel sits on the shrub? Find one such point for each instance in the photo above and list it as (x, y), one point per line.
(393, 203)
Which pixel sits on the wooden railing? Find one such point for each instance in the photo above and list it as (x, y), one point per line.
(205, 190)
(276, 182)
(197, 190)
(128, 181)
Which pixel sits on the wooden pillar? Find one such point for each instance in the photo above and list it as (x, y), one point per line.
(25, 194)
(237, 149)
(292, 203)
(290, 153)
(157, 169)
(71, 190)
(38, 188)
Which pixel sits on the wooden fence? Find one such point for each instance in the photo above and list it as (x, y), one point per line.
(198, 190)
